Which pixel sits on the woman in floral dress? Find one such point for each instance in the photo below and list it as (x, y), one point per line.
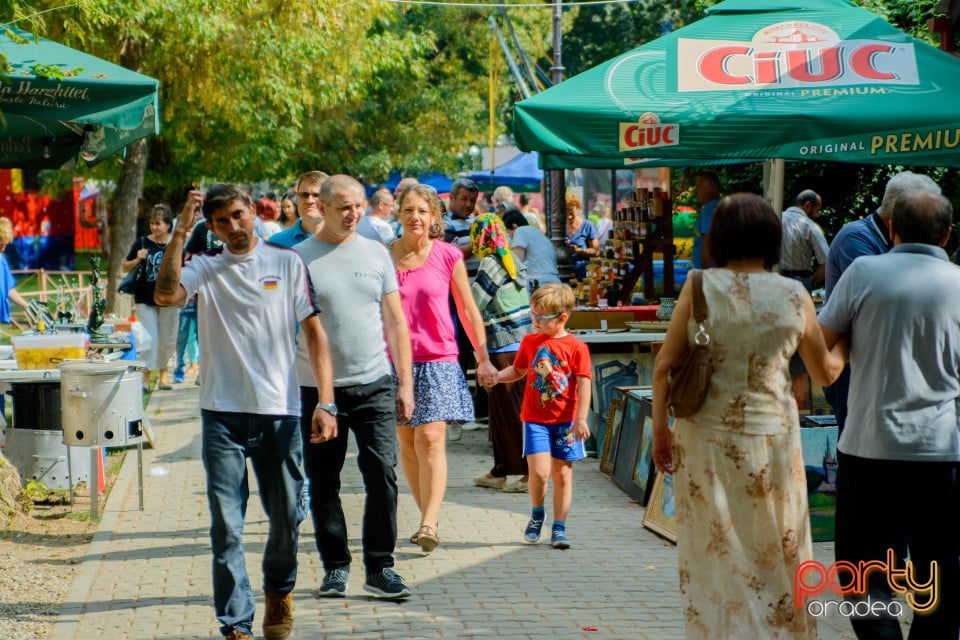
(743, 524)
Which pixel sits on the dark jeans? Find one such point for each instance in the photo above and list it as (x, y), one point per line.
(273, 445)
(904, 506)
(836, 395)
(370, 411)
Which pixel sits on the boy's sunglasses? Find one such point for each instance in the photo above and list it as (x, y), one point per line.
(540, 318)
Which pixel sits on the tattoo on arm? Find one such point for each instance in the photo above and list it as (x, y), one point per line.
(168, 275)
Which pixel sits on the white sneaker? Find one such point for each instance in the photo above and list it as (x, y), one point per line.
(454, 431)
(473, 426)
(517, 486)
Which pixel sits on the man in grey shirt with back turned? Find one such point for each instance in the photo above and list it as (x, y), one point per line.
(899, 455)
(356, 285)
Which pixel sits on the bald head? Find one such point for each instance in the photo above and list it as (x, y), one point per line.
(335, 185)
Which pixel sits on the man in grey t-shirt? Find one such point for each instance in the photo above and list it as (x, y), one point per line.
(899, 455)
(356, 285)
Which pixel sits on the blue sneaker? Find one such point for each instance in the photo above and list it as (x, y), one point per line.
(177, 376)
(531, 534)
(334, 583)
(559, 539)
(387, 584)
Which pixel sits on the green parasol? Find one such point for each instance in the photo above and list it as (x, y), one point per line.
(813, 80)
(58, 105)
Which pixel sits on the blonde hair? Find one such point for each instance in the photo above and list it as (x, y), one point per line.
(553, 298)
(573, 205)
(6, 231)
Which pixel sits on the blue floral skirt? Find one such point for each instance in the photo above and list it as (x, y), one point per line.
(440, 393)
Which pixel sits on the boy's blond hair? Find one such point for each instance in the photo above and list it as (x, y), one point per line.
(553, 298)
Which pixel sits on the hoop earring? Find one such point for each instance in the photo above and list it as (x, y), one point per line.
(434, 228)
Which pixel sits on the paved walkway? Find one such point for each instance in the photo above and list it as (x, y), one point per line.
(147, 573)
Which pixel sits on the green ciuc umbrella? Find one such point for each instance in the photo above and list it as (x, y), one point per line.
(804, 80)
(58, 105)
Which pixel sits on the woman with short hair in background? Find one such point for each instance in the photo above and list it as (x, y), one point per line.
(160, 323)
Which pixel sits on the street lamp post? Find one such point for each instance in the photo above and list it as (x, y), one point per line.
(555, 190)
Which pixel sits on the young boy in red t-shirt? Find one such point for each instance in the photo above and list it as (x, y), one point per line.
(556, 400)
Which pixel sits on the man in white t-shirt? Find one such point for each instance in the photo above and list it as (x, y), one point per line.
(356, 283)
(249, 399)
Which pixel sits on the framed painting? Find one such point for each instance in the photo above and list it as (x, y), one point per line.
(660, 516)
(818, 438)
(628, 448)
(643, 470)
(608, 448)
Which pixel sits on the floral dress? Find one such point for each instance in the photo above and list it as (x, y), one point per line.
(741, 495)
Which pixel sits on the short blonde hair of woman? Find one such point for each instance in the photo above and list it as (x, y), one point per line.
(553, 298)
(573, 205)
(6, 231)
(433, 201)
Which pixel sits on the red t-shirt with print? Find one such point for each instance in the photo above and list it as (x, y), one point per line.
(553, 366)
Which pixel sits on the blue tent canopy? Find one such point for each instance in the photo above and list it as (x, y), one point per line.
(436, 180)
(520, 173)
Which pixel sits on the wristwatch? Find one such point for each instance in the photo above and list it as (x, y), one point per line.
(329, 407)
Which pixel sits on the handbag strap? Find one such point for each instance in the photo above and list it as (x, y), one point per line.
(699, 300)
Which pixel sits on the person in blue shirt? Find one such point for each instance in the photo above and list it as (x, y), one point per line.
(308, 205)
(868, 236)
(707, 190)
(8, 292)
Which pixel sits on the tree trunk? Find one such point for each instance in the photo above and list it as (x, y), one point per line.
(123, 222)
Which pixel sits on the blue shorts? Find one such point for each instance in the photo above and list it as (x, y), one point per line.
(555, 438)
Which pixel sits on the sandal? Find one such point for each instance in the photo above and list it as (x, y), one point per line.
(414, 538)
(427, 538)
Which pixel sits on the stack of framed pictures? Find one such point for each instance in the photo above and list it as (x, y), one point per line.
(627, 456)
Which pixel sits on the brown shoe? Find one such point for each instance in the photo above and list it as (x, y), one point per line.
(278, 619)
(235, 634)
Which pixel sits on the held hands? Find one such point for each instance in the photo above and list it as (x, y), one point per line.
(487, 374)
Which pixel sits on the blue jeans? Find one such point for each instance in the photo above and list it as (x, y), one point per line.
(370, 411)
(186, 336)
(276, 452)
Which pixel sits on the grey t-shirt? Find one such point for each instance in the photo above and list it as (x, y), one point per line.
(350, 281)
(540, 256)
(902, 311)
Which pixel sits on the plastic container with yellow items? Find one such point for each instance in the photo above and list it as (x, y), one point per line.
(45, 351)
